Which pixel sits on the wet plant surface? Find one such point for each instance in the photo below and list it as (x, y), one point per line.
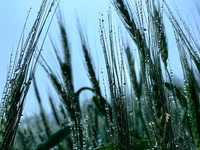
(137, 104)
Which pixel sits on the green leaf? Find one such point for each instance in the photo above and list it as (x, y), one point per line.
(137, 144)
(56, 138)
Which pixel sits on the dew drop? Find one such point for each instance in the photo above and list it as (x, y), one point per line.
(131, 112)
(17, 70)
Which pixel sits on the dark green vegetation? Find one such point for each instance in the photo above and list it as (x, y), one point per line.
(143, 106)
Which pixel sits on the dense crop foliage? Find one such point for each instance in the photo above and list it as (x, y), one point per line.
(138, 104)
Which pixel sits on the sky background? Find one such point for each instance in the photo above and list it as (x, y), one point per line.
(13, 15)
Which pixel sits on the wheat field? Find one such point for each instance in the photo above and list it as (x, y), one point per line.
(130, 95)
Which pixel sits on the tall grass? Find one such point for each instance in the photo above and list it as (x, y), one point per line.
(144, 107)
(20, 74)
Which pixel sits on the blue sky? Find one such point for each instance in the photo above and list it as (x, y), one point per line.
(13, 15)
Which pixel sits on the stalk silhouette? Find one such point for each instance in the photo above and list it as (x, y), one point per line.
(20, 75)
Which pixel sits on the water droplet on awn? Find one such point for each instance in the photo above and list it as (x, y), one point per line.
(131, 112)
(145, 30)
(17, 70)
